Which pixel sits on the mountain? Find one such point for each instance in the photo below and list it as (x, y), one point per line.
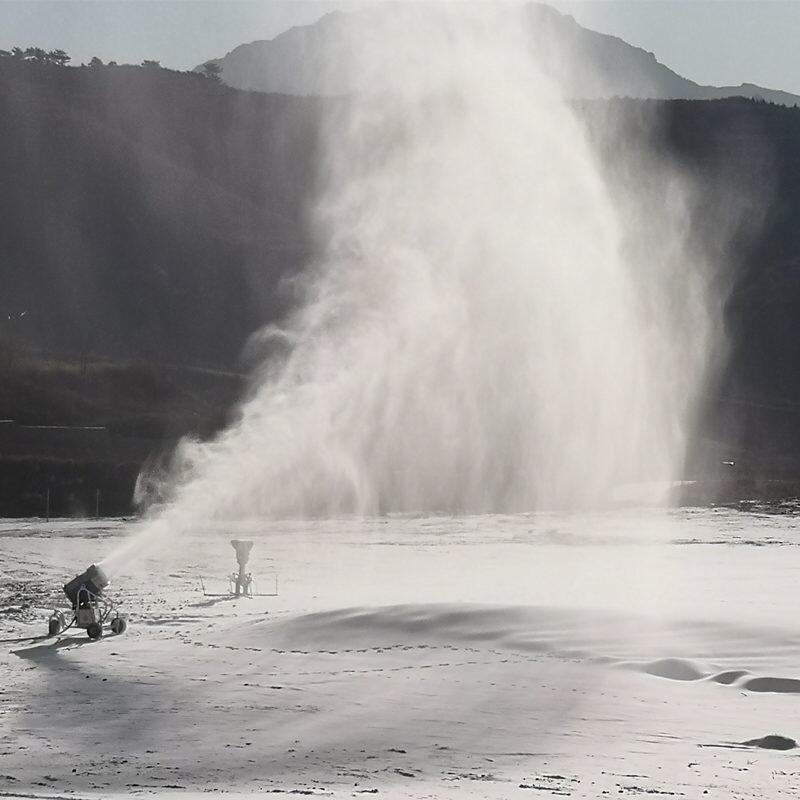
(308, 60)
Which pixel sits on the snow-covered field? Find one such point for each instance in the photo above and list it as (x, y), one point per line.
(621, 654)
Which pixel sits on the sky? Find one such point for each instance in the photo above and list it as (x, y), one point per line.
(719, 42)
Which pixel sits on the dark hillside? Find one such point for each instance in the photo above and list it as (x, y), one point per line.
(756, 146)
(74, 434)
(147, 220)
(146, 213)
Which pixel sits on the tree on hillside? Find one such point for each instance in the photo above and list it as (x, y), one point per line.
(96, 62)
(212, 71)
(37, 55)
(58, 57)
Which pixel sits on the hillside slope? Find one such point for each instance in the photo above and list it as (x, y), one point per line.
(153, 218)
(146, 213)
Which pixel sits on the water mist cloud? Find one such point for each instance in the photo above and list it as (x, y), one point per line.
(494, 321)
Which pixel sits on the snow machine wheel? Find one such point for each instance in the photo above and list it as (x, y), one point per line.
(94, 630)
(118, 625)
(53, 626)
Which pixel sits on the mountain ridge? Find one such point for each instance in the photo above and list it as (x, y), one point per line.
(306, 60)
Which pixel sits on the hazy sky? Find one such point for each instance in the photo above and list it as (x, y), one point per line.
(710, 41)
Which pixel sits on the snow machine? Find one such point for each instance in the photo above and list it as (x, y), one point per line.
(240, 583)
(91, 609)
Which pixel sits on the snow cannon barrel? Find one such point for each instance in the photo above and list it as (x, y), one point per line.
(242, 548)
(94, 579)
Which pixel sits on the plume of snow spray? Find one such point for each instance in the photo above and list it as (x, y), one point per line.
(491, 324)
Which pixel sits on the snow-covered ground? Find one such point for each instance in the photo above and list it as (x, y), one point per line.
(622, 654)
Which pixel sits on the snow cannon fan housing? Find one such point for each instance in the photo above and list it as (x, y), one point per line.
(94, 579)
(91, 608)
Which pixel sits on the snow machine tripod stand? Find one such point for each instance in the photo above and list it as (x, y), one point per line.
(240, 583)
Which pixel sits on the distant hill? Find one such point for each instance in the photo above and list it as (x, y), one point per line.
(307, 60)
(152, 220)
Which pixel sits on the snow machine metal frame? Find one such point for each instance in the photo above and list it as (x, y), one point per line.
(91, 609)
